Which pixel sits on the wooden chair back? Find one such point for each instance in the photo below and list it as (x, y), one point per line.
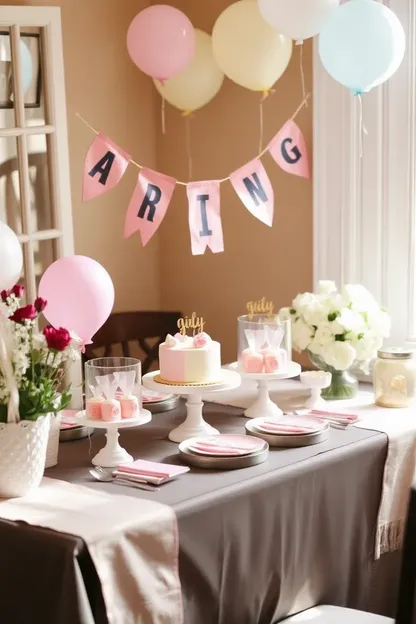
(123, 328)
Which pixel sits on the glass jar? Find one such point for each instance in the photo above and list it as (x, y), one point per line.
(264, 344)
(394, 377)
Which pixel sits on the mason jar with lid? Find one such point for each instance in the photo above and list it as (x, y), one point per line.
(395, 377)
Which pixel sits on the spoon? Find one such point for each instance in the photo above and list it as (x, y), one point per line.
(107, 476)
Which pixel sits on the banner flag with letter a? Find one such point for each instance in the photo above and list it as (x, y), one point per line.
(105, 164)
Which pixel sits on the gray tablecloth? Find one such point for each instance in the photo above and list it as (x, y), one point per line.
(260, 543)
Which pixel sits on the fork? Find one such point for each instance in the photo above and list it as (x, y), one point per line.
(107, 476)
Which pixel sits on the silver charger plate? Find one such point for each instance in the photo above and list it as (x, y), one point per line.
(162, 406)
(221, 463)
(288, 440)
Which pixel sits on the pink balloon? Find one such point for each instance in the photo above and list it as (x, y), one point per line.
(161, 41)
(80, 295)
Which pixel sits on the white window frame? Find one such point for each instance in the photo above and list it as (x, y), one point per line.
(48, 19)
(365, 208)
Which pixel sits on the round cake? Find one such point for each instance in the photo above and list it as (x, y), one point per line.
(190, 359)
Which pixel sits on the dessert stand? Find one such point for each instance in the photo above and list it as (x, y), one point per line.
(112, 455)
(263, 405)
(194, 424)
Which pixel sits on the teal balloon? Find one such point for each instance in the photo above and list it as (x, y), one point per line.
(362, 44)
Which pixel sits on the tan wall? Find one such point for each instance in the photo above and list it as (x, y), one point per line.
(275, 262)
(106, 88)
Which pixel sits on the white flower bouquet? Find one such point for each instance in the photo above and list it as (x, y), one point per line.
(338, 329)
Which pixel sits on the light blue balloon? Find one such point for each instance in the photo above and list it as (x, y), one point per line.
(362, 44)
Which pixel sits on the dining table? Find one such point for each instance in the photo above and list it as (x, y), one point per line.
(255, 544)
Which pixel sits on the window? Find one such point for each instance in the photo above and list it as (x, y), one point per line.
(365, 208)
(34, 172)
(35, 198)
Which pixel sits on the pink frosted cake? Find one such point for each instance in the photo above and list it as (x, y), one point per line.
(190, 359)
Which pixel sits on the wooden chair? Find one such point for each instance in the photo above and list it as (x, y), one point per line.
(123, 328)
(326, 614)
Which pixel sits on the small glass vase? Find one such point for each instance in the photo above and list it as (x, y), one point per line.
(344, 385)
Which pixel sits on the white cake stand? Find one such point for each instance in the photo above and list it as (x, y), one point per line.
(263, 405)
(194, 425)
(113, 455)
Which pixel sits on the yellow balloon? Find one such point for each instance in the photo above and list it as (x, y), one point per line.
(197, 84)
(248, 50)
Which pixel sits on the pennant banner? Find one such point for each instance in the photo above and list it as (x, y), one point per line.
(148, 204)
(288, 149)
(253, 186)
(105, 165)
(204, 217)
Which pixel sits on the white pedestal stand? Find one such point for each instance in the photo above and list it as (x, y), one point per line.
(263, 406)
(194, 425)
(113, 455)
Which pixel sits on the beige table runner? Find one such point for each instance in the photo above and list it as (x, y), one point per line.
(133, 543)
(398, 424)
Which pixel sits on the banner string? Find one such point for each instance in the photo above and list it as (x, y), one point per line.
(259, 155)
(188, 120)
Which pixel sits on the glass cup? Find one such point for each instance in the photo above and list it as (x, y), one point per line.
(113, 388)
(264, 344)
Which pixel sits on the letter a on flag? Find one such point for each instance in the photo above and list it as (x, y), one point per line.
(105, 165)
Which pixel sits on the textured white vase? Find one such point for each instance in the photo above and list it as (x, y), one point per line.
(52, 449)
(22, 456)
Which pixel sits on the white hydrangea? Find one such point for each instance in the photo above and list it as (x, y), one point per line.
(343, 328)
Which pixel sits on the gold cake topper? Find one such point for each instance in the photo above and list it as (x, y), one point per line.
(194, 322)
(262, 306)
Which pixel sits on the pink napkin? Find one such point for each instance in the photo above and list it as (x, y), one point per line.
(269, 426)
(226, 445)
(290, 425)
(350, 418)
(153, 469)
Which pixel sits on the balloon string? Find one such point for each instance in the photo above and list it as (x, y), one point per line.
(189, 146)
(363, 129)
(180, 182)
(261, 125)
(163, 115)
(302, 73)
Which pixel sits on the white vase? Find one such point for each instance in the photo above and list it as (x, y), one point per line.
(53, 441)
(22, 455)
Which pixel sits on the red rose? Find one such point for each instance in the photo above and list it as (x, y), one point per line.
(40, 304)
(28, 313)
(18, 291)
(4, 294)
(57, 339)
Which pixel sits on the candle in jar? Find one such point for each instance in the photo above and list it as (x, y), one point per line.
(395, 378)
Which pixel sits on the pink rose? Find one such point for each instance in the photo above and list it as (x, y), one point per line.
(201, 340)
(28, 313)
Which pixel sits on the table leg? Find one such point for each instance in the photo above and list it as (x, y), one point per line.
(194, 425)
(263, 406)
(112, 455)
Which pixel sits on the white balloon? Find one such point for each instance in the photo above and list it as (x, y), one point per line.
(247, 49)
(297, 19)
(11, 257)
